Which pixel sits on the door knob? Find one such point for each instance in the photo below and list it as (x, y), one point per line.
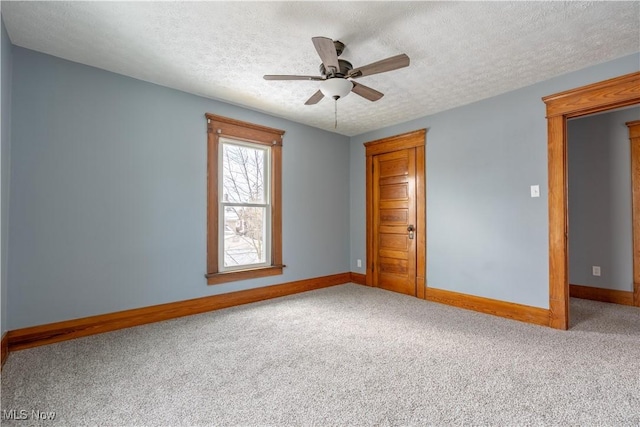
(411, 229)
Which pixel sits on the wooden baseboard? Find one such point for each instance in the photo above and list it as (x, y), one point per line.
(523, 313)
(61, 331)
(4, 349)
(601, 294)
(359, 279)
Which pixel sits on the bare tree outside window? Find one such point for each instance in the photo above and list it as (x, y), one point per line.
(245, 204)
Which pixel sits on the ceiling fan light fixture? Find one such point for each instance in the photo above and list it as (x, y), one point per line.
(336, 88)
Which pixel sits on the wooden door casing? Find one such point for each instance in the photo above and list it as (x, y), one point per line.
(395, 173)
(594, 98)
(634, 138)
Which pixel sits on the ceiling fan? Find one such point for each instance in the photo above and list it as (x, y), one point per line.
(336, 74)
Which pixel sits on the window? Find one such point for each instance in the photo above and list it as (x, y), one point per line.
(244, 220)
(243, 177)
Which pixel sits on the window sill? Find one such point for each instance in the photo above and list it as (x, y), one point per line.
(231, 276)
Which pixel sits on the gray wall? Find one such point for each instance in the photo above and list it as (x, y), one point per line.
(600, 231)
(485, 235)
(108, 185)
(5, 155)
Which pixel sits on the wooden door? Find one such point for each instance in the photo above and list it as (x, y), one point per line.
(394, 221)
(395, 208)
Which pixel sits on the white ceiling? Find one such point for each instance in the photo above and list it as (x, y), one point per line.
(460, 52)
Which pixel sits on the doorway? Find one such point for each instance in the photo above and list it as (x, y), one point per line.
(600, 177)
(604, 96)
(396, 213)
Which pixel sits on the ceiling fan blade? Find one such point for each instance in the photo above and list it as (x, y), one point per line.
(327, 51)
(389, 64)
(315, 98)
(366, 92)
(285, 77)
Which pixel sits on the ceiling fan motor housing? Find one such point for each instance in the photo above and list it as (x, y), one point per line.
(345, 67)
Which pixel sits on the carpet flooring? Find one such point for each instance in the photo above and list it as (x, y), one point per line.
(345, 355)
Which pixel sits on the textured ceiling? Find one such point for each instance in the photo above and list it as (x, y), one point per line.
(460, 52)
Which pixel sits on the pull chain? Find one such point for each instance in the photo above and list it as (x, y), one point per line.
(335, 109)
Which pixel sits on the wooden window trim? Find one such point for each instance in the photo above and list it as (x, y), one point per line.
(218, 126)
(603, 96)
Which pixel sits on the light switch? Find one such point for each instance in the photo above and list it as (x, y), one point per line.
(359, 263)
(535, 191)
(595, 270)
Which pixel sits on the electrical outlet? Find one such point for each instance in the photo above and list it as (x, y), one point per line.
(359, 263)
(595, 270)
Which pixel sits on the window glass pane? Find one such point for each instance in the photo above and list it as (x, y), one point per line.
(243, 174)
(244, 235)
